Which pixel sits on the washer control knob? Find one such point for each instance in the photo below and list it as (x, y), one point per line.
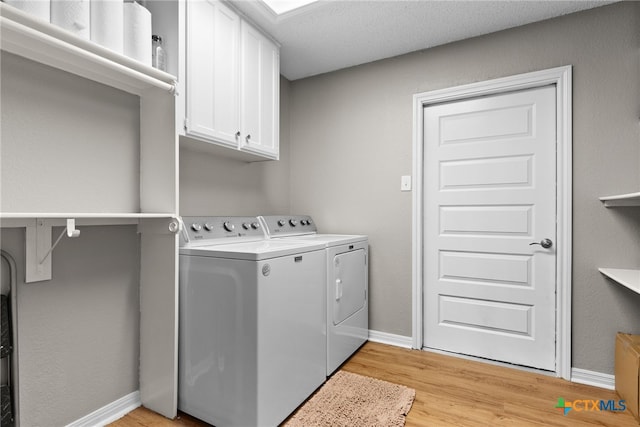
(293, 222)
(228, 226)
(281, 222)
(246, 225)
(255, 225)
(309, 222)
(196, 227)
(208, 226)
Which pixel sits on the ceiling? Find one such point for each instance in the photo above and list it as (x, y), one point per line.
(333, 34)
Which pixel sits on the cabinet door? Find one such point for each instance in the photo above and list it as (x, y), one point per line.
(260, 93)
(212, 72)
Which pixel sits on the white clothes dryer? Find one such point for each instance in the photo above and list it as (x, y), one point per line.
(347, 282)
(252, 341)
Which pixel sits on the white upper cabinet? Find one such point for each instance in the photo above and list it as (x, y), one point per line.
(259, 92)
(231, 81)
(212, 110)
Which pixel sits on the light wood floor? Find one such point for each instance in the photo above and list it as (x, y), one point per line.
(456, 392)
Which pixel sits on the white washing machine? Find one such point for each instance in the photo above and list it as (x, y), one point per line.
(347, 282)
(252, 322)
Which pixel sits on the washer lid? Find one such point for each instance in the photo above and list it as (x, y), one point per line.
(254, 251)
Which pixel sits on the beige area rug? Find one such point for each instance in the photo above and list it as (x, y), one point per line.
(352, 400)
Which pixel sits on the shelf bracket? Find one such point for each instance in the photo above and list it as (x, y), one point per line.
(39, 248)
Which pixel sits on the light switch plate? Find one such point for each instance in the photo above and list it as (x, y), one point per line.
(405, 183)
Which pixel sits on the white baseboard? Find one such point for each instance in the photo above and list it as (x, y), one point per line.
(111, 412)
(391, 339)
(596, 379)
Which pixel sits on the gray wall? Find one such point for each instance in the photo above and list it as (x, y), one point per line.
(351, 140)
(51, 118)
(78, 333)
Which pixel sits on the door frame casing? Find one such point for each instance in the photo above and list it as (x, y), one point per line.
(561, 78)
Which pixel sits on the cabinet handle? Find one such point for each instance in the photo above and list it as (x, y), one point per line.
(238, 134)
(248, 137)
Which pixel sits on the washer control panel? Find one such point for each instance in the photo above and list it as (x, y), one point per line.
(201, 228)
(288, 225)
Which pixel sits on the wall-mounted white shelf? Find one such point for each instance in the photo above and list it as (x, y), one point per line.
(23, 219)
(627, 278)
(631, 199)
(48, 44)
(39, 226)
(49, 215)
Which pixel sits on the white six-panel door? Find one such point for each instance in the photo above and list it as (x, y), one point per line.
(490, 191)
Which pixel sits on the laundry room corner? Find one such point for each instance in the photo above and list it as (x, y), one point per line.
(215, 185)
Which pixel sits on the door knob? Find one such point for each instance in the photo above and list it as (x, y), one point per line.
(545, 243)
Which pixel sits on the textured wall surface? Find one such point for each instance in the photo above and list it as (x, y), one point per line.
(52, 122)
(79, 332)
(351, 140)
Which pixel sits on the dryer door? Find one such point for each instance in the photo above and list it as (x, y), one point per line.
(349, 284)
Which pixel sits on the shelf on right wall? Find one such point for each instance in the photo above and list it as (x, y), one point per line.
(631, 199)
(628, 278)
